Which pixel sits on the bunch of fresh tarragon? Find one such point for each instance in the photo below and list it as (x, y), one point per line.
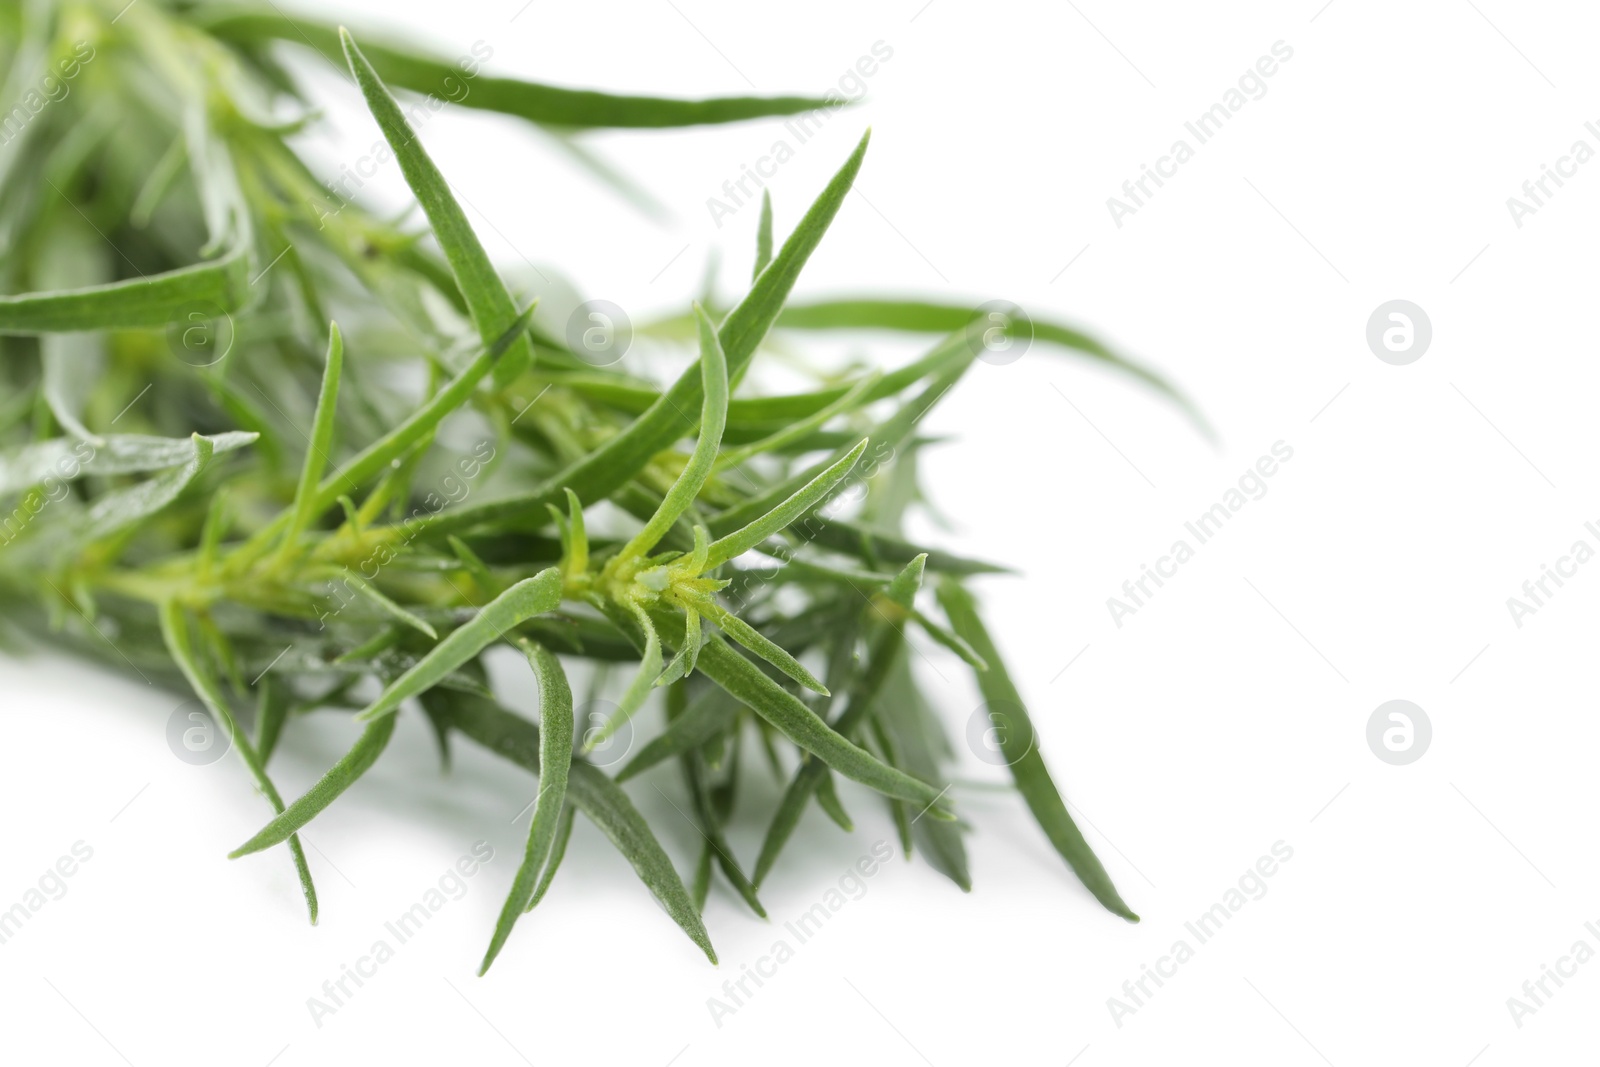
(265, 446)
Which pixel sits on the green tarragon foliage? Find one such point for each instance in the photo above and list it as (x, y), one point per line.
(284, 455)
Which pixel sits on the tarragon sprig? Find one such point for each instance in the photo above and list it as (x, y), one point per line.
(206, 478)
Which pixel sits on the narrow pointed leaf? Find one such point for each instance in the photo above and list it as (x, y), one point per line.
(68, 460)
(683, 663)
(395, 611)
(341, 776)
(415, 429)
(320, 442)
(763, 235)
(748, 684)
(558, 851)
(802, 428)
(175, 634)
(701, 889)
(694, 765)
(272, 711)
(828, 801)
(493, 310)
(614, 464)
(555, 759)
(475, 567)
(923, 316)
(1020, 745)
(949, 640)
(578, 560)
(808, 496)
(597, 796)
(882, 651)
(493, 622)
(854, 539)
(551, 105)
(905, 718)
(713, 416)
(887, 437)
(780, 409)
(712, 714)
(121, 508)
(638, 690)
(743, 633)
(902, 589)
(148, 303)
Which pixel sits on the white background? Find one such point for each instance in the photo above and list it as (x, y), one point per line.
(1228, 714)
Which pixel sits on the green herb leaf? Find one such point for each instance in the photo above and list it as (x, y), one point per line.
(557, 851)
(743, 538)
(320, 441)
(272, 711)
(69, 460)
(150, 302)
(882, 651)
(598, 797)
(924, 316)
(555, 758)
(746, 683)
(1020, 745)
(341, 776)
(828, 801)
(909, 726)
(613, 464)
(175, 634)
(694, 767)
(122, 508)
(639, 688)
(389, 607)
(546, 104)
(713, 416)
(714, 713)
(763, 235)
(743, 633)
(529, 597)
(487, 297)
